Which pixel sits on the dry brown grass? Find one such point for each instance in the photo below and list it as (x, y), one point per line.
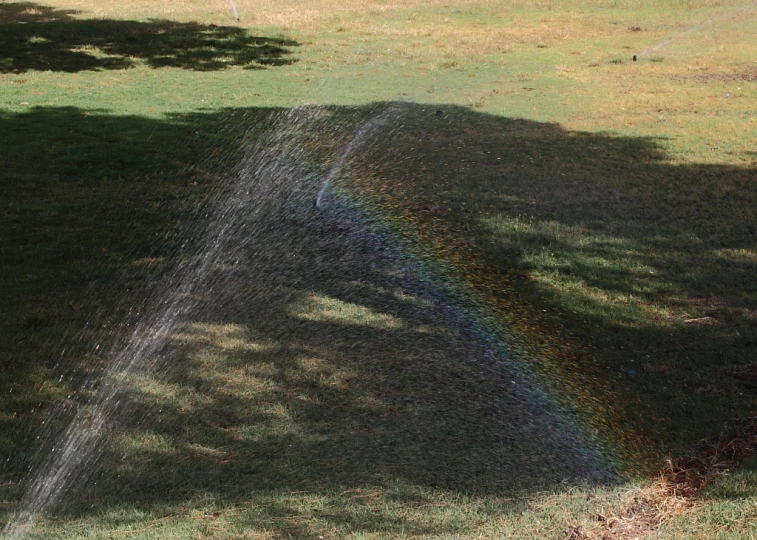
(495, 25)
(586, 44)
(677, 491)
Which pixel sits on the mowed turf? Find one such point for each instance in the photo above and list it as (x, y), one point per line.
(605, 207)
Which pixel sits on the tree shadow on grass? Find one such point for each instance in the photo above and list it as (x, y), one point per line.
(308, 368)
(649, 264)
(42, 38)
(316, 379)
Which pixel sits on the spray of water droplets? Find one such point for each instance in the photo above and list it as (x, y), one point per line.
(245, 243)
(234, 9)
(274, 169)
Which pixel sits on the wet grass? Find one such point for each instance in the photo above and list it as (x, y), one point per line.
(602, 207)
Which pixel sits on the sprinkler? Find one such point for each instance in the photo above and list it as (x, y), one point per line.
(234, 9)
(694, 28)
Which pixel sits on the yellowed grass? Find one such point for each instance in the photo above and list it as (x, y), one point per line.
(692, 96)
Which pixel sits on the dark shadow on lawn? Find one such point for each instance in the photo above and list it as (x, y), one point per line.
(649, 264)
(42, 38)
(312, 359)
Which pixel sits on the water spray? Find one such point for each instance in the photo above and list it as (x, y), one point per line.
(268, 173)
(234, 9)
(336, 169)
(339, 165)
(695, 28)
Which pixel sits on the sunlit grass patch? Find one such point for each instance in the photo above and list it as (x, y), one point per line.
(392, 509)
(738, 255)
(143, 441)
(158, 392)
(226, 337)
(320, 308)
(593, 275)
(727, 513)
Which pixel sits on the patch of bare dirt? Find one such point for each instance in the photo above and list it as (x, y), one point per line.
(750, 75)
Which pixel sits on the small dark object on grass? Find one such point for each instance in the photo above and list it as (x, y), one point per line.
(634, 58)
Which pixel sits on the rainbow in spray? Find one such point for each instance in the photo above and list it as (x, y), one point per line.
(570, 410)
(480, 297)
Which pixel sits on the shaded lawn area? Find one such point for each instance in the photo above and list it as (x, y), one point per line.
(648, 267)
(312, 365)
(42, 38)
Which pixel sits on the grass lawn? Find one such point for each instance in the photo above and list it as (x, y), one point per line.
(526, 309)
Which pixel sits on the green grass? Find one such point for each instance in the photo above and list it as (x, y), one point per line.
(729, 510)
(599, 206)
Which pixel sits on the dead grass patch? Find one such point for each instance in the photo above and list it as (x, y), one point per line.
(748, 75)
(677, 491)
